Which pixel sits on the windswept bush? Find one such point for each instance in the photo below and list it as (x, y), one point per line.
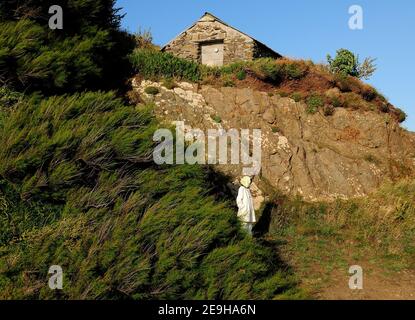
(154, 64)
(79, 57)
(79, 189)
(267, 69)
(9, 97)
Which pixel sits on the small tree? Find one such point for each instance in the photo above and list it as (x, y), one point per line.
(367, 68)
(144, 39)
(347, 63)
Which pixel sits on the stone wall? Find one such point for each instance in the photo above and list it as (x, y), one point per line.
(237, 46)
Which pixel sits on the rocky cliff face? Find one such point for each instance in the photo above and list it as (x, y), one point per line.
(347, 154)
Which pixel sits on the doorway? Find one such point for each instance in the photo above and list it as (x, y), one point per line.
(212, 53)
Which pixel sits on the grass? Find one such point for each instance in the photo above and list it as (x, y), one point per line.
(336, 102)
(314, 102)
(241, 75)
(152, 90)
(379, 230)
(169, 83)
(216, 118)
(297, 96)
(227, 81)
(283, 93)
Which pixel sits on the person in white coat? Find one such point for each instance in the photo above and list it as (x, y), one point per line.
(245, 204)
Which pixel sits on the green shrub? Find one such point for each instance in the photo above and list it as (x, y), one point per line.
(267, 69)
(311, 110)
(241, 75)
(401, 115)
(156, 64)
(275, 129)
(336, 102)
(232, 68)
(314, 102)
(294, 71)
(297, 97)
(152, 90)
(282, 93)
(169, 83)
(347, 63)
(216, 118)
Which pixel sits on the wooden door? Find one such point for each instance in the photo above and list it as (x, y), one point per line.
(212, 54)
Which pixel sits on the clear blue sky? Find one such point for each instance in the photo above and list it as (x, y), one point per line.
(304, 29)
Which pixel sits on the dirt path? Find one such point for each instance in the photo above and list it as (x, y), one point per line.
(376, 285)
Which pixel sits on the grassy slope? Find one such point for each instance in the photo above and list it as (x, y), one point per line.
(323, 239)
(78, 189)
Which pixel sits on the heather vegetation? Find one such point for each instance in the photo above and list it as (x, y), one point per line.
(299, 79)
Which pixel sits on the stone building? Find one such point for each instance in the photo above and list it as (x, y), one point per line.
(212, 42)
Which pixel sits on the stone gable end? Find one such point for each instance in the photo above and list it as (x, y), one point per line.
(209, 36)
